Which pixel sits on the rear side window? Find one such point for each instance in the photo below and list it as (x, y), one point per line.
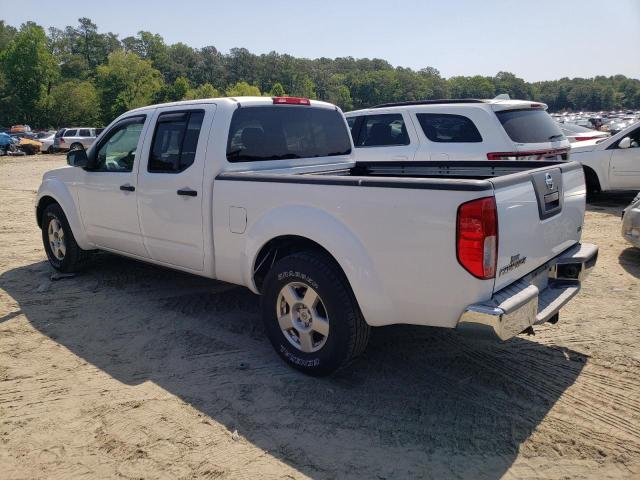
(175, 141)
(382, 130)
(70, 133)
(85, 132)
(284, 132)
(447, 128)
(530, 126)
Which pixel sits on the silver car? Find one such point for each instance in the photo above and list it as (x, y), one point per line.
(631, 222)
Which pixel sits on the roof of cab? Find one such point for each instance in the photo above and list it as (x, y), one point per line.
(225, 100)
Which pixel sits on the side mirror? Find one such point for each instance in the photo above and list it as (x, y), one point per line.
(625, 142)
(78, 158)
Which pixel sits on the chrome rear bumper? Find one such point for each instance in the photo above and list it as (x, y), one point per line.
(532, 300)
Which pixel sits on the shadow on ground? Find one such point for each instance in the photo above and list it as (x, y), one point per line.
(629, 259)
(432, 404)
(611, 202)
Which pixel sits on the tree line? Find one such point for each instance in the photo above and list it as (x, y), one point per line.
(79, 76)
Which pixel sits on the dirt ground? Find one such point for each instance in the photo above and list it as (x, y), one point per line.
(133, 371)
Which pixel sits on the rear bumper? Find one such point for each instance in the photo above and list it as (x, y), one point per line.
(532, 300)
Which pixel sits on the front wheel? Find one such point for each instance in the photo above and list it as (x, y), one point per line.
(311, 315)
(63, 252)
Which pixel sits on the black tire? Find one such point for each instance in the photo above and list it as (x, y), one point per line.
(76, 146)
(348, 332)
(51, 150)
(74, 258)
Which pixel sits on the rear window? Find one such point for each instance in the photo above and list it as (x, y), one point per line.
(70, 133)
(284, 132)
(84, 133)
(529, 126)
(447, 128)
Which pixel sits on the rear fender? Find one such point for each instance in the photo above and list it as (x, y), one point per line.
(335, 237)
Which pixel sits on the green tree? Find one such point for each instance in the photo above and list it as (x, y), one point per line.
(243, 89)
(28, 70)
(277, 90)
(126, 82)
(74, 102)
(7, 32)
(203, 91)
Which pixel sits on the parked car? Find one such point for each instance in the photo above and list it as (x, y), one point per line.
(611, 163)
(457, 130)
(76, 138)
(269, 196)
(631, 222)
(576, 133)
(47, 144)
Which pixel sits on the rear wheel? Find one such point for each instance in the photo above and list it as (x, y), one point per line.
(76, 146)
(311, 315)
(63, 252)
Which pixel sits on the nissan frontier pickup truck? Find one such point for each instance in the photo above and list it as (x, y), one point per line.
(264, 192)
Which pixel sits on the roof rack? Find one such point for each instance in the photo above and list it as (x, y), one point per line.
(430, 102)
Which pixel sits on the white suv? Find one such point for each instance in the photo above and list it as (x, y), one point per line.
(76, 138)
(457, 130)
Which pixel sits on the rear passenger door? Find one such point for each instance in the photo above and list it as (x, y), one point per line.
(384, 137)
(170, 186)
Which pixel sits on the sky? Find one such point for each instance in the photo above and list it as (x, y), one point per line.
(535, 39)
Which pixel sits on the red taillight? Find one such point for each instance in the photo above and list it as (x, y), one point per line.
(528, 155)
(582, 139)
(477, 237)
(291, 101)
(61, 140)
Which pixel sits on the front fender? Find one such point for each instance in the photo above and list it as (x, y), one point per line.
(334, 236)
(55, 188)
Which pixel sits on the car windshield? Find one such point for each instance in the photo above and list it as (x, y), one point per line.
(530, 126)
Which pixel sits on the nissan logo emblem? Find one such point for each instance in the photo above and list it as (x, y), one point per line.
(548, 179)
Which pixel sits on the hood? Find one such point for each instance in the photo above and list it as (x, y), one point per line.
(586, 146)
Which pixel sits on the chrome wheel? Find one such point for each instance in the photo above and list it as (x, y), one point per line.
(56, 239)
(302, 317)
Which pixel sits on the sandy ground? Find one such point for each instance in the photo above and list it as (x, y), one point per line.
(134, 371)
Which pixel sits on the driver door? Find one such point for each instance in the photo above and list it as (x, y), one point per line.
(107, 191)
(625, 164)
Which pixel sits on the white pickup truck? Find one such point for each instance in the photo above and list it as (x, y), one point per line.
(264, 192)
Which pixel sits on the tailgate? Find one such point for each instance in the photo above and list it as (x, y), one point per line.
(540, 214)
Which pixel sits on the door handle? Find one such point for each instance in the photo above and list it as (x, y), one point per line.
(128, 188)
(187, 192)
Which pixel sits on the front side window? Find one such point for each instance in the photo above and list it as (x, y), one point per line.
(70, 133)
(175, 141)
(286, 132)
(382, 131)
(448, 128)
(117, 151)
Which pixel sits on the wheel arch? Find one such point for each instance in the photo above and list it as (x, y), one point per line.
(297, 228)
(54, 191)
(592, 180)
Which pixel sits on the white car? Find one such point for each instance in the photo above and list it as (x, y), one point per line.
(265, 193)
(495, 129)
(612, 163)
(631, 222)
(47, 143)
(576, 133)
